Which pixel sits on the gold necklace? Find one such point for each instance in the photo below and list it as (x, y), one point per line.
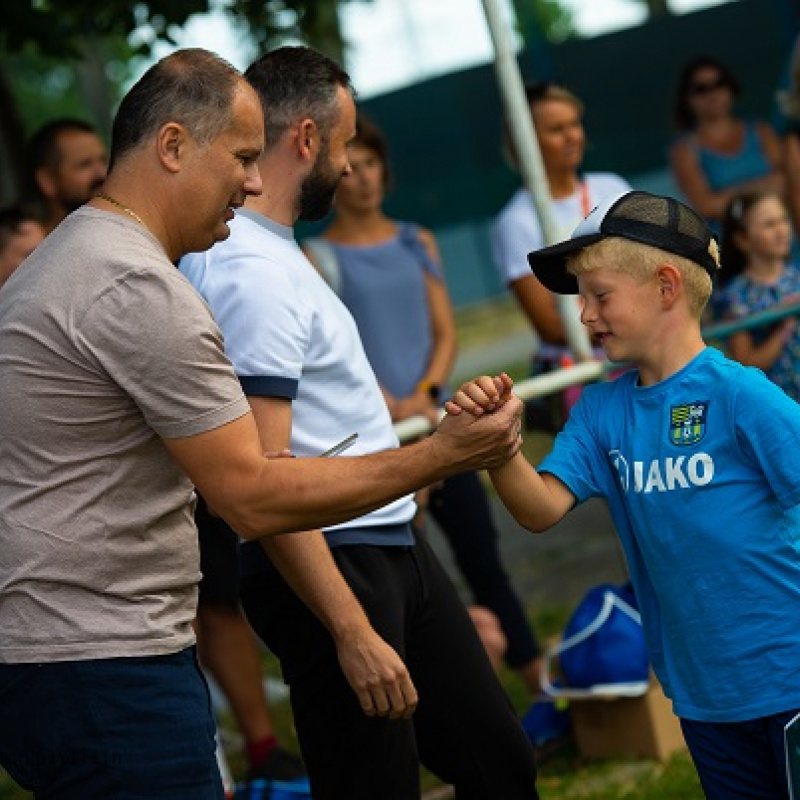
(125, 208)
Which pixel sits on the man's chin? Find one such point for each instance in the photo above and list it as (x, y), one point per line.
(222, 233)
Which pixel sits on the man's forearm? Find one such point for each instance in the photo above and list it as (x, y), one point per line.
(298, 494)
(259, 496)
(306, 564)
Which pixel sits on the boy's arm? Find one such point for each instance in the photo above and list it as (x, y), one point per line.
(536, 501)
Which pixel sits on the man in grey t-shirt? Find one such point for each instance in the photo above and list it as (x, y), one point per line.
(116, 399)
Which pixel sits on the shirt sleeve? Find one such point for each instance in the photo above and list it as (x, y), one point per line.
(156, 339)
(267, 323)
(767, 424)
(515, 233)
(576, 459)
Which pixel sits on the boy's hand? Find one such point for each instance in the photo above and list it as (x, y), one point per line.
(484, 394)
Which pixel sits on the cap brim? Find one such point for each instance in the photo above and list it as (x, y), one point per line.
(549, 264)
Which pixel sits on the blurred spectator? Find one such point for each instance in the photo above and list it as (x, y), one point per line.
(757, 276)
(558, 120)
(718, 155)
(20, 233)
(67, 165)
(490, 632)
(389, 275)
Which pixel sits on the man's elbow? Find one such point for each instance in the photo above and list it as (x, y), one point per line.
(252, 523)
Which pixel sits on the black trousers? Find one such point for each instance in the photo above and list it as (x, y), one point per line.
(464, 729)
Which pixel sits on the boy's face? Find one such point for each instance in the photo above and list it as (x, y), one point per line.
(619, 310)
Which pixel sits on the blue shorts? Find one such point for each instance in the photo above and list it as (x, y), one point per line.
(740, 760)
(120, 729)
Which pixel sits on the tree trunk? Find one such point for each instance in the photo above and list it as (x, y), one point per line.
(95, 88)
(319, 23)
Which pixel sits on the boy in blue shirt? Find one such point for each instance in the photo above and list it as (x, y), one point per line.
(698, 459)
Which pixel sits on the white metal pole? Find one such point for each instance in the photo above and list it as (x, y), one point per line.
(529, 158)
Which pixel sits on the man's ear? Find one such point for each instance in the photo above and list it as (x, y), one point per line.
(46, 183)
(172, 141)
(670, 283)
(307, 138)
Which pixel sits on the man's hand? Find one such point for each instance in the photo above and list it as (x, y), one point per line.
(490, 433)
(377, 675)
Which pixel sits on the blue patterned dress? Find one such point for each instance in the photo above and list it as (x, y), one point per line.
(743, 297)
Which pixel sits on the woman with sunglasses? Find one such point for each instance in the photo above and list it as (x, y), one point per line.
(718, 155)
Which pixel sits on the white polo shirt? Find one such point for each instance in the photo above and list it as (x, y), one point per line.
(288, 335)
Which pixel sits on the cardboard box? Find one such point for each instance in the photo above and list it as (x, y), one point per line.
(633, 727)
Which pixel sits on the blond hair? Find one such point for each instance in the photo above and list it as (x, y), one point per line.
(641, 261)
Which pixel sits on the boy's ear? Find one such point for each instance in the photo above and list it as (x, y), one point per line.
(670, 284)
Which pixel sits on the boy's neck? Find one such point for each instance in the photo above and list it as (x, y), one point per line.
(674, 352)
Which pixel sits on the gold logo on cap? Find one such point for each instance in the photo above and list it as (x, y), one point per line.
(713, 251)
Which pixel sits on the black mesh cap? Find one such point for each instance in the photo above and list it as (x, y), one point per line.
(661, 222)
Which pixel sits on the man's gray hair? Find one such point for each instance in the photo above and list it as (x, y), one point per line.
(192, 87)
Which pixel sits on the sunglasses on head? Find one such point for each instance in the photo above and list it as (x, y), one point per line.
(706, 87)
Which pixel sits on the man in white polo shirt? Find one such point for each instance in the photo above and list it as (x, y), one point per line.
(361, 615)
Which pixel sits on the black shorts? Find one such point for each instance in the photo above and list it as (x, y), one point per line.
(219, 559)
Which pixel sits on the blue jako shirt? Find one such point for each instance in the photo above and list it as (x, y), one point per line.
(702, 476)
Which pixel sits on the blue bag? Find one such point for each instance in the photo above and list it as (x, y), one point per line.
(547, 720)
(603, 650)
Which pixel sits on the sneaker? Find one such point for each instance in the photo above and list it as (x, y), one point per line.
(279, 765)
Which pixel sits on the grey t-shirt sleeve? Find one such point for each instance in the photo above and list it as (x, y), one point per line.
(156, 339)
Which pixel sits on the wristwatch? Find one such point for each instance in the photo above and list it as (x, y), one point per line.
(433, 390)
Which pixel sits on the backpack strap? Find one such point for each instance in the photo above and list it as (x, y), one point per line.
(326, 262)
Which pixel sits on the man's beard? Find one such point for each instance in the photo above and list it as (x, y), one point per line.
(73, 202)
(318, 190)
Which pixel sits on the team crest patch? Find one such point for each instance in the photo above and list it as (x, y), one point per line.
(687, 423)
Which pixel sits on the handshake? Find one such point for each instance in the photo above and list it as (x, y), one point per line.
(483, 424)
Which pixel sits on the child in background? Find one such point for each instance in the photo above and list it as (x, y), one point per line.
(757, 275)
(697, 457)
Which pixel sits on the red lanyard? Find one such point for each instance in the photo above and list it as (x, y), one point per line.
(586, 203)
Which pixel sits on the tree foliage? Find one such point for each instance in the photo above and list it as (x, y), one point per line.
(64, 30)
(60, 55)
(546, 20)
